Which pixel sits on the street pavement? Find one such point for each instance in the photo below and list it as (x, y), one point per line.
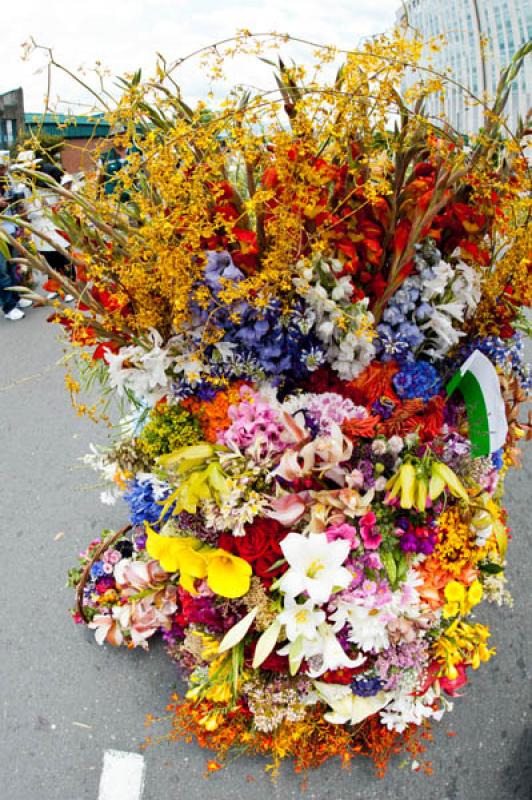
(66, 701)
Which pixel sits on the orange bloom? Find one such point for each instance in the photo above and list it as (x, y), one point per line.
(435, 579)
(212, 414)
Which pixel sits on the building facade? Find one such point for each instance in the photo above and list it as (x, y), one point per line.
(482, 37)
(81, 135)
(11, 117)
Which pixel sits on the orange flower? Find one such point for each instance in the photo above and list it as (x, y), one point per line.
(212, 414)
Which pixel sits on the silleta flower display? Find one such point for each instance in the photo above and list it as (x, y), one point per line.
(314, 325)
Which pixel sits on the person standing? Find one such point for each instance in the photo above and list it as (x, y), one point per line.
(10, 302)
(38, 208)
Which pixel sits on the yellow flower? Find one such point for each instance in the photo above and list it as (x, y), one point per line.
(460, 601)
(454, 592)
(474, 594)
(228, 575)
(211, 720)
(178, 554)
(462, 643)
(192, 565)
(210, 483)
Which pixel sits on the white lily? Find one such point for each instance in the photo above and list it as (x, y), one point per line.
(323, 652)
(146, 374)
(332, 654)
(315, 566)
(300, 619)
(346, 706)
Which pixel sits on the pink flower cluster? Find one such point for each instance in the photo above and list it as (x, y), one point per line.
(254, 421)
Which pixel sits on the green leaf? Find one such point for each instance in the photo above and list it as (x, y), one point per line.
(235, 634)
(490, 568)
(4, 249)
(266, 643)
(402, 567)
(390, 566)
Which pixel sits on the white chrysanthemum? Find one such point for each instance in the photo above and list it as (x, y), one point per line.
(367, 626)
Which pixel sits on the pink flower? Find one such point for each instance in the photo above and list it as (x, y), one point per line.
(112, 556)
(343, 531)
(369, 532)
(287, 509)
(254, 422)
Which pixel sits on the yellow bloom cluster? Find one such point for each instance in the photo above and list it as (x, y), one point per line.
(507, 286)
(460, 600)
(456, 549)
(195, 180)
(462, 643)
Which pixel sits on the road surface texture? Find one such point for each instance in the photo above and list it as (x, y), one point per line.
(66, 701)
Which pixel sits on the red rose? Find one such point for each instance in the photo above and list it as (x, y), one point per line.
(260, 547)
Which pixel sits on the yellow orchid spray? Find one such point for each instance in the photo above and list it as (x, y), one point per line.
(462, 643)
(198, 474)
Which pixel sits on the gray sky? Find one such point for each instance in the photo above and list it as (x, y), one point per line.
(125, 34)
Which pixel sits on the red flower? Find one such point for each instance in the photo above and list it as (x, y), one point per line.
(400, 238)
(344, 675)
(274, 662)
(260, 547)
(103, 348)
(108, 300)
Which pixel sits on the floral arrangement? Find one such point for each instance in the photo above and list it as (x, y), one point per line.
(315, 325)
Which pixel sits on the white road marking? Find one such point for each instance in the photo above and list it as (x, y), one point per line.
(122, 776)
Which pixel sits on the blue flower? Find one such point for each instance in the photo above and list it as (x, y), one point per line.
(143, 506)
(417, 379)
(393, 316)
(496, 459)
(366, 687)
(411, 334)
(390, 343)
(97, 570)
(423, 312)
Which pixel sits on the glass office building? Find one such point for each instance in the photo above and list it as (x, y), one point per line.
(482, 36)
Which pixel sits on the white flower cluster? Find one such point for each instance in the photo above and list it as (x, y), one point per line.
(453, 292)
(148, 372)
(141, 371)
(344, 327)
(98, 461)
(406, 709)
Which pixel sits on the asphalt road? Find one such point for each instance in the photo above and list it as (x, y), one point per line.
(66, 700)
